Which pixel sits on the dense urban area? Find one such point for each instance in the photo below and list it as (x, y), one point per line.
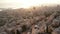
(35, 20)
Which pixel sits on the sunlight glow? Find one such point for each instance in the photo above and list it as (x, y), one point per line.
(27, 3)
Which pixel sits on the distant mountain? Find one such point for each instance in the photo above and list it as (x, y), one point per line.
(5, 9)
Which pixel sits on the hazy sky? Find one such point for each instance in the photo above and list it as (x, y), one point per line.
(25, 3)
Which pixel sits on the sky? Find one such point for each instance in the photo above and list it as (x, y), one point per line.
(25, 3)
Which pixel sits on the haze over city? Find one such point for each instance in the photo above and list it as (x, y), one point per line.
(29, 16)
(26, 3)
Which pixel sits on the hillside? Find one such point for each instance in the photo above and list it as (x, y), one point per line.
(36, 20)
